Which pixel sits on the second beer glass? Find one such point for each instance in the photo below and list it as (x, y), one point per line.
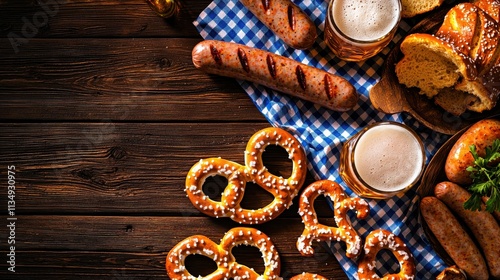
(357, 30)
(382, 160)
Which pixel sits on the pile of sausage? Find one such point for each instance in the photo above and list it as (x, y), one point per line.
(475, 246)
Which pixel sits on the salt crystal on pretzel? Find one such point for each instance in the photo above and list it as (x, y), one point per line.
(254, 170)
(227, 267)
(308, 276)
(342, 204)
(383, 239)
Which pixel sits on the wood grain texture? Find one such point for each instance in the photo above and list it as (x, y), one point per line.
(125, 246)
(93, 19)
(120, 164)
(103, 114)
(115, 79)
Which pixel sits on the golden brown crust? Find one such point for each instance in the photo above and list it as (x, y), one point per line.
(459, 28)
(482, 134)
(383, 239)
(452, 273)
(308, 276)
(227, 267)
(343, 232)
(472, 33)
(491, 7)
(283, 189)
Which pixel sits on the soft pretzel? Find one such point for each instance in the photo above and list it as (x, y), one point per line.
(227, 267)
(308, 276)
(319, 232)
(383, 239)
(283, 189)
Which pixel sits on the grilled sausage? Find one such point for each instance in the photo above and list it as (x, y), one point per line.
(482, 224)
(453, 238)
(286, 20)
(276, 72)
(482, 134)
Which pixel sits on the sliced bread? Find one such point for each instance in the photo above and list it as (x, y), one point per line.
(431, 64)
(411, 8)
(459, 65)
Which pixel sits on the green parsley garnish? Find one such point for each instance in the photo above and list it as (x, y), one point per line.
(485, 174)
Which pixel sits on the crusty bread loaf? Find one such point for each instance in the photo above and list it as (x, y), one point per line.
(473, 33)
(411, 8)
(459, 65)
(491, 7)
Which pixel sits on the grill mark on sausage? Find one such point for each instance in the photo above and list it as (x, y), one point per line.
(291, 17)
(266, 4)
(301, 77)
(330, 87)
(271, 66)
(215, 55)
(243, 60)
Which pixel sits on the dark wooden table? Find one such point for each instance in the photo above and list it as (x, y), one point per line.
(102, 115)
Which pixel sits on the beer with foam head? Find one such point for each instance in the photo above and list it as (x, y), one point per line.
(382, 160)
(356, 30)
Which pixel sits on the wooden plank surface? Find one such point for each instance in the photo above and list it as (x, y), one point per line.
(117, 79)
(90, 246)
(120, 164)
(102, 114)
(86, 19)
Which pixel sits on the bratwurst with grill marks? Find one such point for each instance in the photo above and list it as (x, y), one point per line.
(276, 72)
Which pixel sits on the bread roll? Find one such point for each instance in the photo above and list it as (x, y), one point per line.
(459, 65)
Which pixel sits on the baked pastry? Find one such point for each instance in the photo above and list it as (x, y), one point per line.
(411, 8)
(491, 7)
(458, 66)
(452, 273)
(282, 189)
(382, 239)
(222, 255)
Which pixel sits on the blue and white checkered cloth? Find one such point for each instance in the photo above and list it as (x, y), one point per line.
(322, 132)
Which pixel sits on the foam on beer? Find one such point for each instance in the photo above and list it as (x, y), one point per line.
(388, 158)
(365, 20)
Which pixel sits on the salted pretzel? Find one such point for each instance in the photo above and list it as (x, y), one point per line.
(383, 239)
(283, 190)
(308, 276)
(342, 204)
(227, 267)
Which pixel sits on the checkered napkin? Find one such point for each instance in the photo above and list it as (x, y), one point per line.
(322, 132)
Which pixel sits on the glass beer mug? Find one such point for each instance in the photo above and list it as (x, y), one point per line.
(382, 160)
(357, 30)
